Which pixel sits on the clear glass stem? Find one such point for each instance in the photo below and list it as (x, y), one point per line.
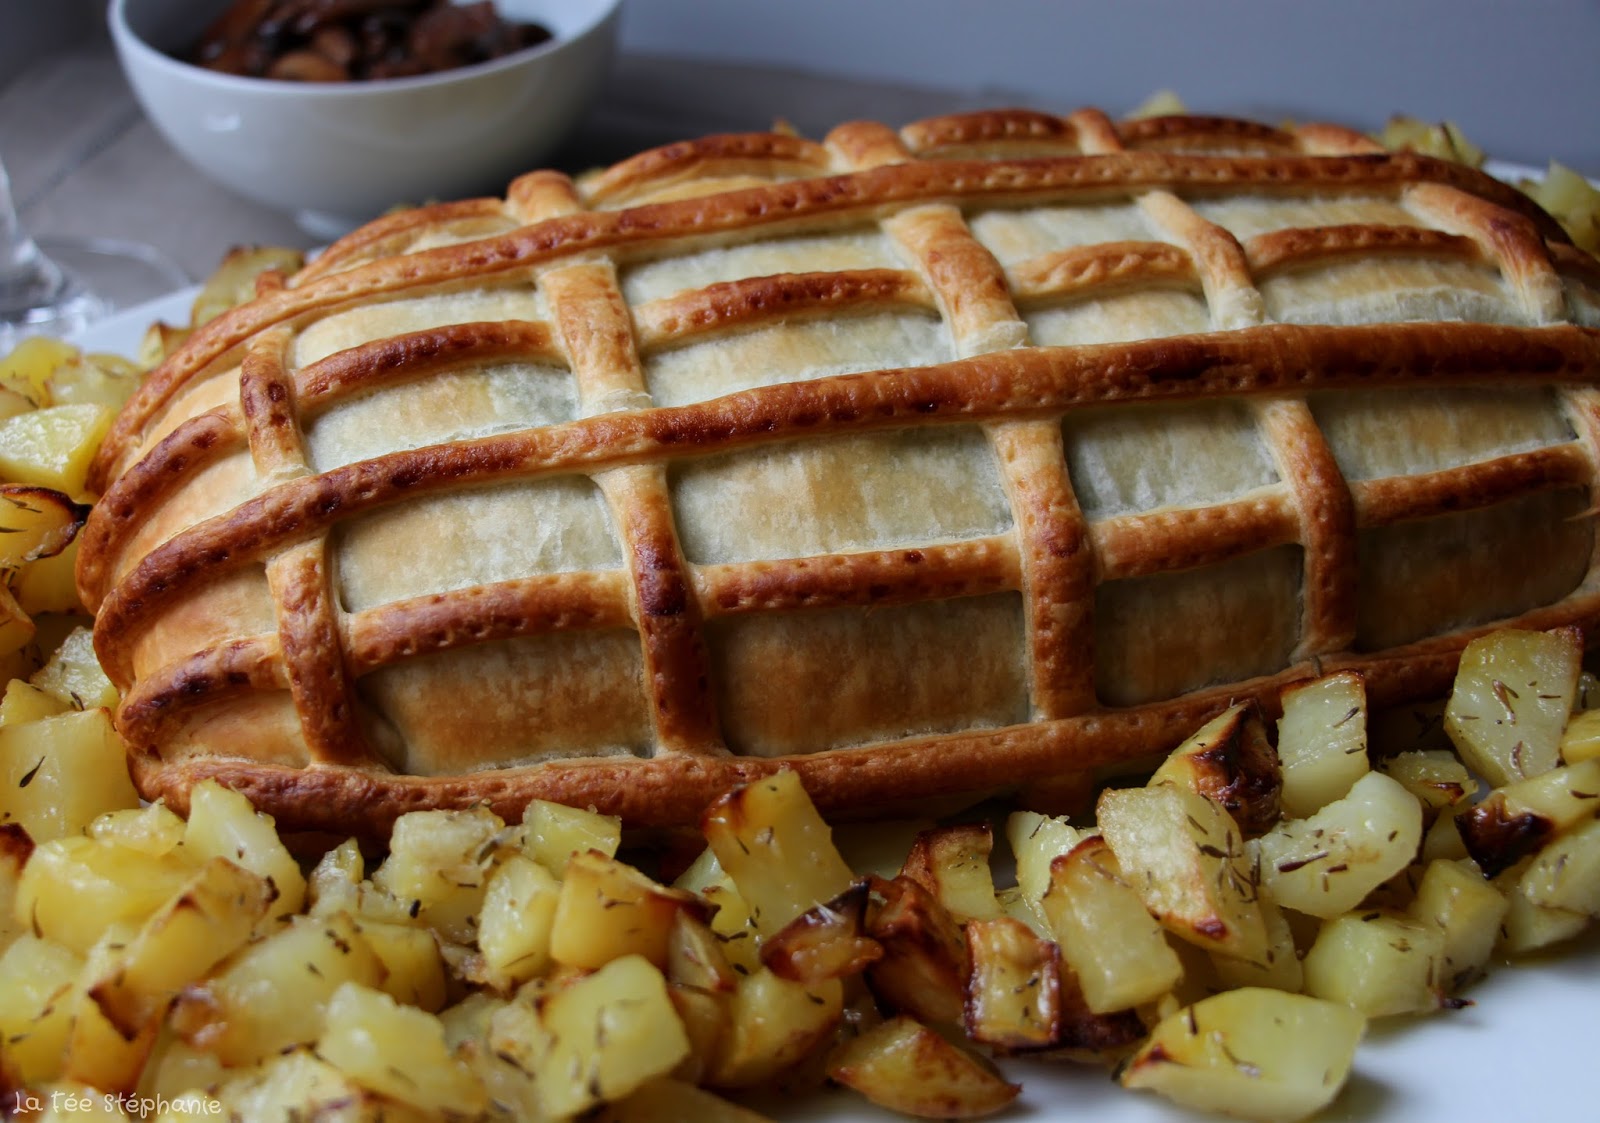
(36, 294)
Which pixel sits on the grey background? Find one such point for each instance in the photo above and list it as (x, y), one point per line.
(1522, 79)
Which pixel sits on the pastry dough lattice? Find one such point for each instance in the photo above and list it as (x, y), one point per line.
(952, 459)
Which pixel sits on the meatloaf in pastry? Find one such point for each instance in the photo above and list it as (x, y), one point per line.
(937, 461)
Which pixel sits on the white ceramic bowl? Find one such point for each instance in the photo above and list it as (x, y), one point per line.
(337, 154)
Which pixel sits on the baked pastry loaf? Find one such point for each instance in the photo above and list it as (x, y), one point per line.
(948, 460)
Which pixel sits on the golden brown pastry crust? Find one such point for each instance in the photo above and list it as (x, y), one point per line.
(241, 536)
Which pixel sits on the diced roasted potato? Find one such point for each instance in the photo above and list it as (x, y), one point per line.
(1580, 741)
(1530, 927)
(1185, 856)
(1230, 762)
(1516, 820)
(824, 942)
(53, 447)
(1566, 873)
(553, 832)
(772, 1025)
(1322, 741)
(1013, 998)
(1326, 864)
(271, 996)
(1037, 840)
(99, 1053)
(15, 849)
(334, 884)
(1254, 1053)
(606, 909)
(1443, 139)
(59, 773)
(27, 369)
(440, 860)
(952, 863)
(609, 1033)
(126, 886)
(923, 970)
(234, 281)
(299, 1085)
(152, 829)
(1436, 777)
(695, 956)
(519, 909)
(36, 522)
(769, 838)
(397, 1051)
(1379, 962)
(73, 674)
(223, 824)
(1089, 899)
(413, 969)
(907, 1067)
(211, 917)
(1277, 967)
(1511, 699)
(36, 978)
(1455, 898)
(24, 702)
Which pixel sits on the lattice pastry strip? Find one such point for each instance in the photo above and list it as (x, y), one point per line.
(1031, 622)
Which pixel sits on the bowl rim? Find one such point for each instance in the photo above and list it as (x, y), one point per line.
(122, 31)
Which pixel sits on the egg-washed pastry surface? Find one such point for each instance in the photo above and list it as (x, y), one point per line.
(957, 459)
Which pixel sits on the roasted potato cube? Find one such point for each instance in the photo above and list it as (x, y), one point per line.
(397, 1051)
(904, 1066)
(695, 956)
(1516, 820)
(1322, 741)
(73, 674)
(824, 942)
(413, 969)
(609, 1033)
(519, 910)
(952, 863)
(300, 1086)
(36, 978)
(1580, 741)
(1185, 857)
(27, 369)
(1254, 1053)
(126, 886)
(923, 969)
(223, 824)
(1455, 898)
(606, 909)
(553, 832)
(1566, 873)
(234, 281)
(36, 522)
(1230, 762)
(773, 1024)
(15, 849)
(99, 1053)
(1512, 696)
(1036, 841)
(210, 918)
(60, 773)
(24, 702)
(334, 884)
(1436, 777)
(272, 995)
(439, 863)
(769, 838)
(1277, 967)
(152, 829)
(1013, 997)
(1326, 864)
(1530, 927)
(1379, 962)
(1089, 898)
(53, 447)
